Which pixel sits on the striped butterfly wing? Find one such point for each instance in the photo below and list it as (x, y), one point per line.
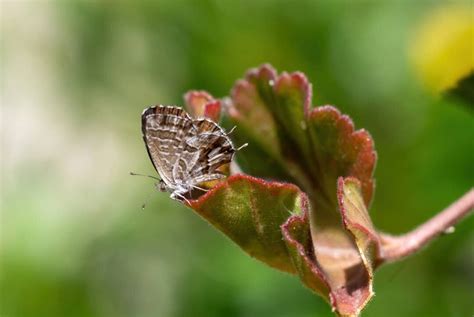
(215, 150)
(165, 130)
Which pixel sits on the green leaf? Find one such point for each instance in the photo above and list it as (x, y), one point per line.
(256, 126)
(357, 292)
(250, 211)
(340, 151)
(297, 236)
(349, 292)
(268, 110)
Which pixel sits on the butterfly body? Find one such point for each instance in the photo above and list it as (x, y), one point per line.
(184, 151)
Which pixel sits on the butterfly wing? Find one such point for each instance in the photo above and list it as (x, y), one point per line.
(215, 150)
(165, 129)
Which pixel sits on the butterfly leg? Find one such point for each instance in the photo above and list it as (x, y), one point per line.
(175, 195)
(200, 188)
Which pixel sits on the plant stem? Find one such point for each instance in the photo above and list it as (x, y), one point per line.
(397, 247)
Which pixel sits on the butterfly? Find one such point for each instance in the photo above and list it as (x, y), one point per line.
(184, 151)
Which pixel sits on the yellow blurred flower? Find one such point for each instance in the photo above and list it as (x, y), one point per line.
(442, 49)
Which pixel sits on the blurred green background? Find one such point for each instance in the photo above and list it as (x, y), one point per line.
(75, 77)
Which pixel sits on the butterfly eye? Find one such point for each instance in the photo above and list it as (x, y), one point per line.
(162, 186)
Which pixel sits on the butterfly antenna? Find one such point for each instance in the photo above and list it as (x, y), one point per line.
(136, 174)
(231, 130)
(242, 146)
(149, 195)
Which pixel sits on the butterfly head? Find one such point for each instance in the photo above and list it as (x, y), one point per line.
(161, 186)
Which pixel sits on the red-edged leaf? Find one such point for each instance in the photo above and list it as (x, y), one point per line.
(357, 290)
(268, 111)
(250, 211)
(346, 281)
(202, 104)
(248, 108)
(255, 125)
(292, 96)
(341, 151)
(297, 235)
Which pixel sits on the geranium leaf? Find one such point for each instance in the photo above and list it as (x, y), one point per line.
(202, 104)
(256, 126)
(250, 211)
(341, 151)
(268, 111)
(297, 235)
(353, 297)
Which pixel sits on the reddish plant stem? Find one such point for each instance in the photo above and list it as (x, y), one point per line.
(397, 247)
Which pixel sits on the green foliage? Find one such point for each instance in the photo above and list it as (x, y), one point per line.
(250, 211)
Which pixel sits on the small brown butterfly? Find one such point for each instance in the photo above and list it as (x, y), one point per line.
(184, 151)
